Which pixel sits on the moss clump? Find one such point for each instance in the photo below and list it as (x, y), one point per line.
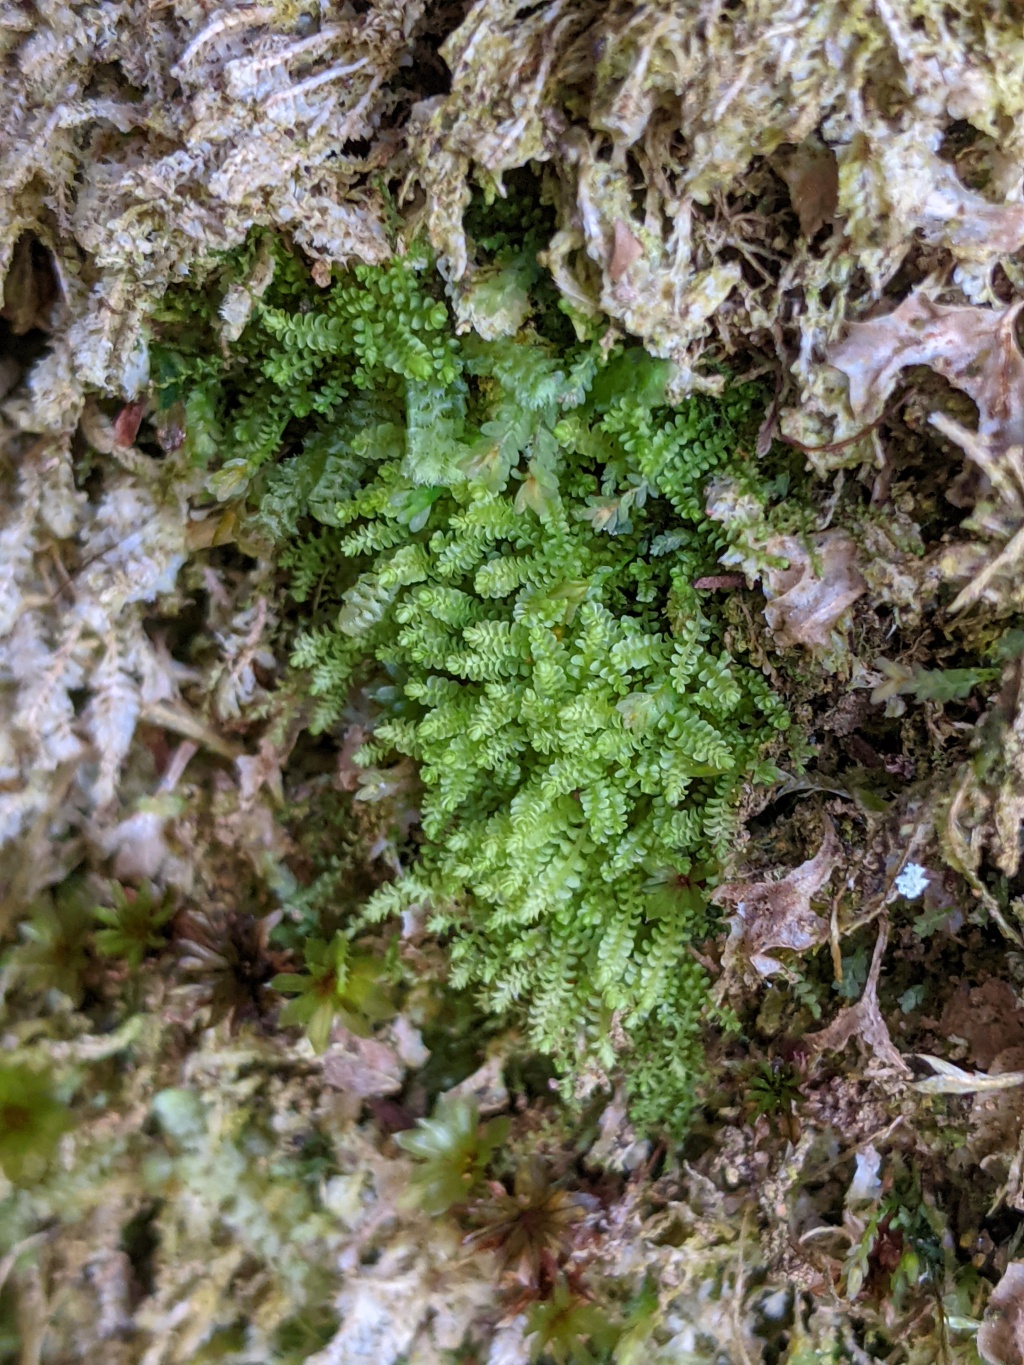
(453, 1149)
(32, 1120)
(337, 984)
(501, 538)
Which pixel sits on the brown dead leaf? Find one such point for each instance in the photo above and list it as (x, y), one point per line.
(719, 582)
(322, 274)
(974, 348)
(771, 915)
(127, 423)
(1001, 1335)
(362, 1067)
(625, 250)
(812, 178)
(806, 599)
(486, 1086)
(348, 771)
(863, 1020)
(262, 769)
(987, 1017)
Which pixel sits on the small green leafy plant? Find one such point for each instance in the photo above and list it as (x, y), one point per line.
(53, 954)
(773, 1088)
(338, 985)
(531, 1225)
(132, 924)
(927, 684)
(32, 1120)
(906, 1234)
(453, 1149)
(567, 1328)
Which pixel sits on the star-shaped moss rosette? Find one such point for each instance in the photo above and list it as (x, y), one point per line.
(133, 926)
(337, 985)
(229, 965)
(32, 1120)
(53, 954)
(454, 1149)
(567, 1327)
(533, 1224)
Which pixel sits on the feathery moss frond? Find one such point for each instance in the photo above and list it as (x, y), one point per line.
(511, 525)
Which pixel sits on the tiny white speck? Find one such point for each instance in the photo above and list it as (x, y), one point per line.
(912, 881)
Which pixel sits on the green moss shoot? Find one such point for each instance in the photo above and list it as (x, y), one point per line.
(500, 538)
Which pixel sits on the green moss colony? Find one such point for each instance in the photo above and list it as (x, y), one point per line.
(497, 533)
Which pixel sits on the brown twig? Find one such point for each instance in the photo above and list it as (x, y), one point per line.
(888, 411)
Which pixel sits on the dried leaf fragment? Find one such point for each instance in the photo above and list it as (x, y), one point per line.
(864, 1020)
(806, 599)
(127, 423)
(964, 219)
(719, 582)
(625, 250)
(812, 178)
(485, 1087)
(953, 1080)
(974, 348)
(771, 915)
(364, 1068)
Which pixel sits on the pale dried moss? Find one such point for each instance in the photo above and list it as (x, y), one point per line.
(672, 139)
(666, 130)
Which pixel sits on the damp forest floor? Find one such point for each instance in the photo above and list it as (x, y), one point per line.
(511, 685)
